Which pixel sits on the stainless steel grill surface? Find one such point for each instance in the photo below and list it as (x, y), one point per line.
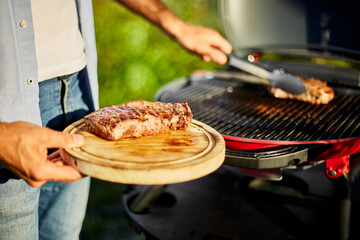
(246, 110)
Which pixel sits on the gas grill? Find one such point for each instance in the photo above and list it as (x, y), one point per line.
(250, 119)
(266, 136)
(264, 133)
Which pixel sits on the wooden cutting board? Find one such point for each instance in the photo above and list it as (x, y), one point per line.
(169, 157)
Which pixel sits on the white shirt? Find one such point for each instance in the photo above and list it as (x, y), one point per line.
(58, 42)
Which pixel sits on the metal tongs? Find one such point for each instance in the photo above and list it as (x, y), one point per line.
(277, 78)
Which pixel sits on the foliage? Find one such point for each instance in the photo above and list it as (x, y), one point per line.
(135, 58)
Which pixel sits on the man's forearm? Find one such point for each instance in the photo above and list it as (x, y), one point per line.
(156, 12)
(202, 41)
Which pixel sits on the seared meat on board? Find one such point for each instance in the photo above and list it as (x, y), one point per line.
(138, 118)
(317, 92)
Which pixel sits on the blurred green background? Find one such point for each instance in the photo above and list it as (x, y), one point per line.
(134, 60)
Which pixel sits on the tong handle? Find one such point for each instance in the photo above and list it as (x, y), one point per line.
(277, 78)
(247, 66)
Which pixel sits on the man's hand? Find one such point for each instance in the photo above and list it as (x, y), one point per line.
(204, 42)
(24, 149)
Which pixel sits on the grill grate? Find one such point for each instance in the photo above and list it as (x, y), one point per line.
(245, 110)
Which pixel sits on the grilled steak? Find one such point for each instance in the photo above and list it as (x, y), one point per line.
(317, 92)
(138, 118)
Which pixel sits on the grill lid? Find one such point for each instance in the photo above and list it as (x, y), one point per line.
(246, 110)
(326, 26)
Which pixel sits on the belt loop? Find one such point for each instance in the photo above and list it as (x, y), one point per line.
(64, 92)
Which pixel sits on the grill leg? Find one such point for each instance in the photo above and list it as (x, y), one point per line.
(342, 194)
(146, 196)
(343, 187)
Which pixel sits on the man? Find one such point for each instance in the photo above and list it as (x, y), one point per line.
(48, 77)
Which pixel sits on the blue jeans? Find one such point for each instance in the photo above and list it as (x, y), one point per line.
(56, 210)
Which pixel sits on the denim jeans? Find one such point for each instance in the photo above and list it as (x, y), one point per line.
(56, 210)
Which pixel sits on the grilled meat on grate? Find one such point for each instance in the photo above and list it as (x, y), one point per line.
(317, 92)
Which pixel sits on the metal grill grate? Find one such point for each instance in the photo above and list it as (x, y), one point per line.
(243, 110)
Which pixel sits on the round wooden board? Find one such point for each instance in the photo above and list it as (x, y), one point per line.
(165, 158)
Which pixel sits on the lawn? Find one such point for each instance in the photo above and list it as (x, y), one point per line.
(134, 60)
